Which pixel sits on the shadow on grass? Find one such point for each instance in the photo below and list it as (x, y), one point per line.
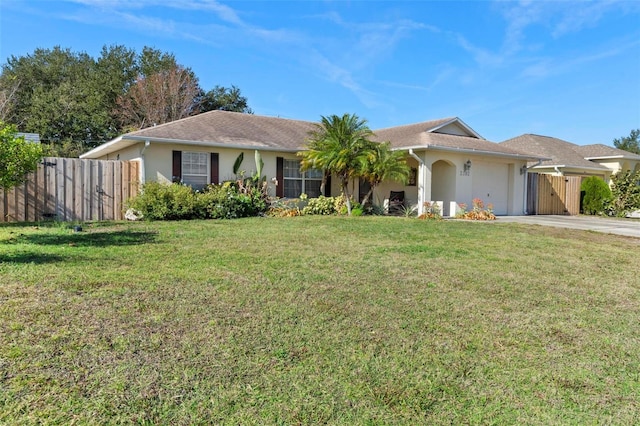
(30, 257)
(91, 239)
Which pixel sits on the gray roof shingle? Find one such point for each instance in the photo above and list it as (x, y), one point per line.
(233, 128)
(561, 153)
(424, 135)
(240, 130)
(597, 151)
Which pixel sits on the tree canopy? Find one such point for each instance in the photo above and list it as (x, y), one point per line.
(17, 156)
(343, 146)
(629, 143)
(76, 102)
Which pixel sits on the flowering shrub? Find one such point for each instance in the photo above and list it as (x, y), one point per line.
(286, 207)
(321, 206)
(478, 212)
(431, 211)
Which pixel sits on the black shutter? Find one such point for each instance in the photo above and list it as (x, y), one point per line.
(215, 168)
(280, 177)
(327, 187)
(177, 166)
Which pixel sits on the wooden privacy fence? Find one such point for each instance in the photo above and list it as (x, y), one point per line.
(547, 194)
(70, 189)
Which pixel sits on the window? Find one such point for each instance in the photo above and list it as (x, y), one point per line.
(195, 169)
(297, 182)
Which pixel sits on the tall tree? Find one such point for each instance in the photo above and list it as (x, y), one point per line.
(338, 146)
(629, 143)
(382, 164)
(159, 98)
(225, 99)
(17, 157)
(71, 99)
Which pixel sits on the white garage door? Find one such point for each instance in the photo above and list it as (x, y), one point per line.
(491, 185)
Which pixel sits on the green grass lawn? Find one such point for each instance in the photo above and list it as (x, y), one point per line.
(310, 320)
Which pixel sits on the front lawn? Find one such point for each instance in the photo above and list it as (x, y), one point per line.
(312, 320)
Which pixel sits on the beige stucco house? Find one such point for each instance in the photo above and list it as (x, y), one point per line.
(569, 159)
(451, 163)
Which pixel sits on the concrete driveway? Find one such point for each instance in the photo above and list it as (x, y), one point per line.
(626, 227)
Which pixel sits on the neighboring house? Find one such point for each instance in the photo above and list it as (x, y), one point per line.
(30, 137)
(568, 159)
(451, 163)
(617, 160)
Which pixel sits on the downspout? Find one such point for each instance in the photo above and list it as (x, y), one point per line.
(421, 182)
(142, 167)
(526, 176)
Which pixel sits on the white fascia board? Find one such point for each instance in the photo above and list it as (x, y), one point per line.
(471, 151)
(213, 144)
(105, 148)
(615, 157)
(564, 166)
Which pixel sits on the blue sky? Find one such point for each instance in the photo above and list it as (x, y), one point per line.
(564, 69)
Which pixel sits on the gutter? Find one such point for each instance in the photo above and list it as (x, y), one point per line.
(471, 151)
(421, 185)
(142, 165)
(216, 144)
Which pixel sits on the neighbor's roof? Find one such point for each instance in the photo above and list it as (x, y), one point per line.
(599, 151)
(429, 135)
(561, 153)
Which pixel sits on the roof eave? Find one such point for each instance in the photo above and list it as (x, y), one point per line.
(523, 157)
(613, 157)
(564, 166)
(103, 149)
(213, 144)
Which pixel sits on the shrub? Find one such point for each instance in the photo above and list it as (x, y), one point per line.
(596, 195)
(320, 206)
(159, 201)
(625, 190)
(229, 200)
(478, 211)
(374, 210)
(431, 211)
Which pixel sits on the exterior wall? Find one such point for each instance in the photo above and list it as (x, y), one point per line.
(500, 178)
(621, 166)
(158, 161)
(127, 154)
(442, 175)
(382, 192)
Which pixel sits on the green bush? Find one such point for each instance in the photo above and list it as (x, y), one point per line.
(175, 201)
(597, 195)
(159, 201)
(320, 206)
(625, 188)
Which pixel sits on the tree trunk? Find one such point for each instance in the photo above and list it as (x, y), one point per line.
(345, 191)
(366, 198)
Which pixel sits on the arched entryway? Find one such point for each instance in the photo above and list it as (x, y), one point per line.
(443, 184)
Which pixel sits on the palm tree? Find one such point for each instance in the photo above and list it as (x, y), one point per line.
(338, 145)
(384, 164)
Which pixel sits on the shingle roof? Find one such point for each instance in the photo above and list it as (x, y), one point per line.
(597, 151)
(426, 135)
(237, 130)
(562, 153)
(233, 128)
